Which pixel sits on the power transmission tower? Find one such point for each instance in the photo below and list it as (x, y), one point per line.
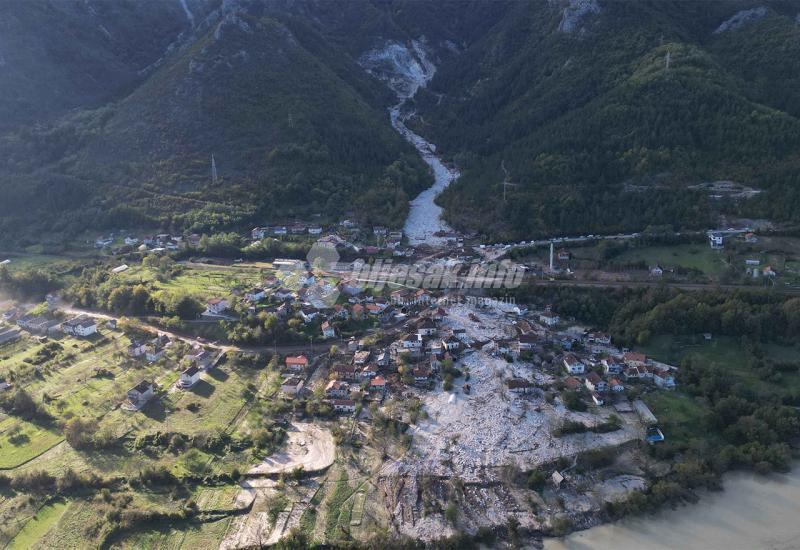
(668, 59)
(506, 183)
(214, 175)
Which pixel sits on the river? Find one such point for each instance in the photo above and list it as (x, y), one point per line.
(425, 216)
(752, 512)
(405, 68)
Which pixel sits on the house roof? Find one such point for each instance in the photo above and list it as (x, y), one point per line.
(634, 356)
(191, 371)
(142, 386)
(516, 383)
(296, 360)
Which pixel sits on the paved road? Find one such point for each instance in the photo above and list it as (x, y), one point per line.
(283, 349)
(655, 284)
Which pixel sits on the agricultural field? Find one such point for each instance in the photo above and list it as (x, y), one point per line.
(687, 256)
(200, 281)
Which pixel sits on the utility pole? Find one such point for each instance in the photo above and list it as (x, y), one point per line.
(551, 255)
(667, 60)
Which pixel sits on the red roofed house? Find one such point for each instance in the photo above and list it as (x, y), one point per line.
(296, 363)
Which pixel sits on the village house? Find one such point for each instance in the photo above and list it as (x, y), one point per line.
(344, 372)
(450, 344)
(370, 371)
(140, 394)
(361, 358)
(200, 357)
(39, 324)
(137, 349)
(328, 331)
(292, 385)
(282, 294)
(597, 398)
(634, 359)
(571, 383)
(663, 379)
(615, 385)
(189, 377)
(255, 295)
(632, 373)
(563, 255)
(83, 326)
(573, 364)
(600, 338)
(337, 388)
(411, 342)
(527, 342)
(421, 374)
(461, 334)
(611, 366)
(357, 312)
(716, 240)
(377, 385)
(656, 271)
(343, 405)
(549, 318)
(593, 382)
(153, 351)
(520, 385)
(296, 363)
(258, 233)
(217, 306)
(426, 327)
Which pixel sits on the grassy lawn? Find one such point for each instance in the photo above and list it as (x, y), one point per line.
(38, 526)
(21, 441)
(725, 351)
(680, 417)
(697, 256)
(198, 281)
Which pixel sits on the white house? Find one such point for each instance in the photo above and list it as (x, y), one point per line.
(574, 365)
(292, 385)
(549, 318)
(426, 327)
(200, 357)
(255, 295)
(611, 366)
(140, 394)
(716, 240)
(615, 385)
(82, 325)
(593, 382)
(343, 405)
(217, 306)
(189, 377)
(337, 388)
(411, 342)
(137, 349)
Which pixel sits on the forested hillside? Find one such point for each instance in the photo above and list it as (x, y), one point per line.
(604, 119)
(296, 128)
(602, 112)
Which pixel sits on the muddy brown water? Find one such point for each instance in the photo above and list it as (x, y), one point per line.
(753, 512)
